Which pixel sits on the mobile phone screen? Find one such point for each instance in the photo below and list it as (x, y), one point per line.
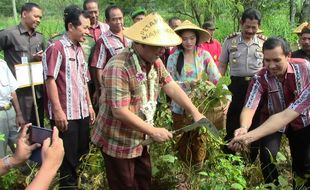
(38, 134)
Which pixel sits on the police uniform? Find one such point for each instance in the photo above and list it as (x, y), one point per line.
(244, 60)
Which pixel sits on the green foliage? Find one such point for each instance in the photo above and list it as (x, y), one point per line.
(205, 95)
(2, 137)
(91, 171)
(8, 181)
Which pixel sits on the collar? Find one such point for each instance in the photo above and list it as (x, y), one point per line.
(68, 42)
(142, 62)
(109, 33)
(98, 25)
(289, 71)
(23, 30)
(253, 41)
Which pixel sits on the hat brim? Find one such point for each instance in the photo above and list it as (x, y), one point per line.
(204, 35)
(298, 29)
(153, 31)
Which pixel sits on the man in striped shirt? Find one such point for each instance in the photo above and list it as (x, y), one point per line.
(69, 105)
(282, 80)
(109, 44)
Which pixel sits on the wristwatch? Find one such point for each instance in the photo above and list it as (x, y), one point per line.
(6, 162)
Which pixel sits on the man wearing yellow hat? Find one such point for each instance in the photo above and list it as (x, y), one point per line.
(304, 41)
(131, 84)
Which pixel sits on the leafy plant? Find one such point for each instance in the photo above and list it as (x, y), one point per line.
(205, 95)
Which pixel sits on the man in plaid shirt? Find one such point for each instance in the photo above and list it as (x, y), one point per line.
(121, 124)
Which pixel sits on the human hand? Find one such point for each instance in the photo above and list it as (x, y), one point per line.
(92, 115)
(20, 120)
(52, 152)
(61, 120)
(38, 56)
(240, 131)
(239, 142)
(198, 116)
(23, 149)
(160, 134)
(96, 97)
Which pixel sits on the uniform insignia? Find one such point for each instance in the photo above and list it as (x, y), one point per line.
(232, 35)
(262, 37)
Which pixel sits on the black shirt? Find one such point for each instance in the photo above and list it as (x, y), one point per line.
(301, 54)
(17, 42)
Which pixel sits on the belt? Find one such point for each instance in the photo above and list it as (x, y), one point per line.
(241, 78)
(5, 107)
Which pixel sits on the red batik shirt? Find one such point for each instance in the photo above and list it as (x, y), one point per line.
(98, 30)
(281, 94)
(302, 104)
(65, 62)
(106, 47)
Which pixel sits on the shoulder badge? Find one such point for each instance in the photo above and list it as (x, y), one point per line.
(261, 37)
(232, 35)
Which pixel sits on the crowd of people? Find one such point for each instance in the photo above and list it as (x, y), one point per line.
(107, 75)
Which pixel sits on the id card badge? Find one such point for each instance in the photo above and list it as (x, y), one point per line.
(24, 59)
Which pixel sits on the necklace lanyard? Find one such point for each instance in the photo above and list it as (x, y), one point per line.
(148, 107)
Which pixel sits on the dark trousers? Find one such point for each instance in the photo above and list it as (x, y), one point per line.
(76, 143)
(269, 147)
(129, 174)
(238, 88)
(300, 151)
(25, 99)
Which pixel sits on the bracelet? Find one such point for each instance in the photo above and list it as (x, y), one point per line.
(6, 162)
(90, 106)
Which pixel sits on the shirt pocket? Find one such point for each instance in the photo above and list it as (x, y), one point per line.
(20, 48)
(21, 51)
(259, 60)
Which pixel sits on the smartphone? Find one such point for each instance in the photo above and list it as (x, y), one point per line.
(38, 135)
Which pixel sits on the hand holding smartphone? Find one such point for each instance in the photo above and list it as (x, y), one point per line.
(38, 135)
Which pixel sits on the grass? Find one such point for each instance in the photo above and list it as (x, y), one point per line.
(168, 171)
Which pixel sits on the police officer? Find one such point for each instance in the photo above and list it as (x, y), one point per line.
(243, 53)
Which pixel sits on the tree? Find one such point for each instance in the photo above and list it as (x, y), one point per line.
(293, 6)
(199, 10)
(14, 10)
(305, 12)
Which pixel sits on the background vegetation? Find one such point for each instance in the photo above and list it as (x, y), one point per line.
(220, 171)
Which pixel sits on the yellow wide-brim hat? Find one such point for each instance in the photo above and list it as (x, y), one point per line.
(204, 35)
(154, 31)
(299, 28)
(259, 31)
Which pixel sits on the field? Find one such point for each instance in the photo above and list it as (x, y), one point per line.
(219, 171)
